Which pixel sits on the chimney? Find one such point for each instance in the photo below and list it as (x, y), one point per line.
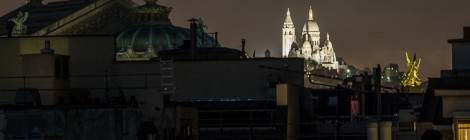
(267, 53)
(216, 38)
(47, 48)
(243, 45)
(193, 36)
(254, 53)
(9, 26)
(466, 32)
(378, 78)
(35, 3)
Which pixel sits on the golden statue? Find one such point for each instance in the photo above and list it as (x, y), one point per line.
(411, 77)
(19, 21)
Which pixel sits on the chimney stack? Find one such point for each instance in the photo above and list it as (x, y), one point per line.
(243, 45)
(193, 36)
(466, 32)
(9, 26)
(47, 48)
(35, 2)
(216, 38)
(267, 53)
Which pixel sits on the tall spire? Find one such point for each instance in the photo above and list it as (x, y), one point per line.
(327, 36)
(288, 34)
(288, 18)
(310, 13)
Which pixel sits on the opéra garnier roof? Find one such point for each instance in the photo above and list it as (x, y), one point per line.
(152, 31)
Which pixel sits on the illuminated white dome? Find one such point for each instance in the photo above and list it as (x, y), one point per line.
(312, 26)
(310, 46)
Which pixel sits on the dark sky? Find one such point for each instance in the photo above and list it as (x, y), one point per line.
(364, 32)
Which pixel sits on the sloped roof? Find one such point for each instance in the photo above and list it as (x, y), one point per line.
(42, 16)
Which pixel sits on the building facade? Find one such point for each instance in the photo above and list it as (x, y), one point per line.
(445, 105)
(310, 45)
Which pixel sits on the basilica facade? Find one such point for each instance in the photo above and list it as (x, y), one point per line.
(310, 45)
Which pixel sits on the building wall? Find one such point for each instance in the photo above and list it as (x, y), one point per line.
(245, 78)
(453, 101)
(92, 57)
(92, 67)
(19, 53)
(35, 44)
(452, 104)
(72, 123)
(460, 56)
(11, 61)
(10, 65)
(206, 79)
(13, 48)
(54, 68)
(18, 60)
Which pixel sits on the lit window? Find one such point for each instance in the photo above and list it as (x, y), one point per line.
(463, 130)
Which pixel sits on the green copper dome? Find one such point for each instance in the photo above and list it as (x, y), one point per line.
(153, 32)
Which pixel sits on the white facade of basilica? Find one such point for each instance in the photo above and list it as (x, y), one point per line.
(310, 46)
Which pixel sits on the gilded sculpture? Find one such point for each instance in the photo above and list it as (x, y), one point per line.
(19, 27)
(411, 77)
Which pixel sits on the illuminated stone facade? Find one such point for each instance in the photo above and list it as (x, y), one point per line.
(310, 47)
(288, 35)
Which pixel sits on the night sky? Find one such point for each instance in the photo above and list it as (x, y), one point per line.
(364, 32)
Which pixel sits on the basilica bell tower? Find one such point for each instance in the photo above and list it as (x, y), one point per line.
(288, 35)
